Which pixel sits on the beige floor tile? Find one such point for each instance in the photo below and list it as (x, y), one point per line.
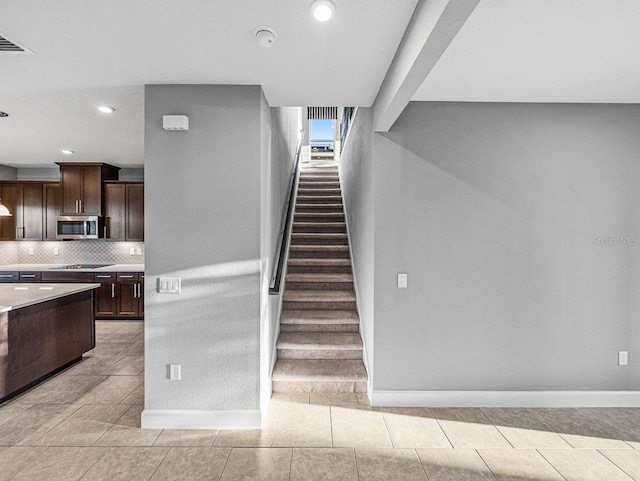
(134, 349)
(303, 425)
(454, 465)
(348, 399)
(127, 464)
(290, 397)
(130, 365)
(385, 464)
(523, 429)
(579, 430)
(84, 426)
(113, 390)
(91, 366)
(251, 438)
(469, 428)
(110, 347)
(414, 428)
(30, 425)
(186, 437)
(258, 464)
(626, 459)
(9, 411)
(136, 397)
(63, 389)
(583, 465)
(323, 464)
(192, 464)
(61, 464)
(127, 432)
(358, 428)
(14, 459)
(519, 465)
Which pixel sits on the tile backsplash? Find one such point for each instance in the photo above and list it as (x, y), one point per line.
(72, 252)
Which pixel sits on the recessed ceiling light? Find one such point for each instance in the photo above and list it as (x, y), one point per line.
(67, 152)
(323, 10)
(105, 109)
(4, 114)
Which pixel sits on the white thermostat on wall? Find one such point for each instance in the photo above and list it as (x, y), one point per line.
(175, 122)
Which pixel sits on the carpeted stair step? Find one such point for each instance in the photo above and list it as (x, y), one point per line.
(318, 217)
(322, 192)
(318, 252)
(303, 184)
(311, 208)
(319, 239)
(319, 345)
(319, 199)
(319, 266)
(307, 320)
(320, 227)
(319, 299)
(334, 282)
(319, 178)
(324, 375)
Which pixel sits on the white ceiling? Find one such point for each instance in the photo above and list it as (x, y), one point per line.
(542, 51)
(89, 52)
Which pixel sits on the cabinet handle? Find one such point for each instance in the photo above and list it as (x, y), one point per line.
(126, 277)
(17, 232)
(80, 201)
(105, 231)
(6, 275)
(28, 276)
(104, 277)
(113, 290)
(139, 290)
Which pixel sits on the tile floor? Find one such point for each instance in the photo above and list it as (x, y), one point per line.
(84, 424)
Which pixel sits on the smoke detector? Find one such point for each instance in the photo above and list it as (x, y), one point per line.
(266, 36)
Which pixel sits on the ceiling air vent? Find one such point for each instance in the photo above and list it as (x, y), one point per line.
(9, 46)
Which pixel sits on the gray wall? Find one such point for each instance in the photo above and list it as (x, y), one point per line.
(8, 173)
(202, 202)
(492, 210)
(356, 177)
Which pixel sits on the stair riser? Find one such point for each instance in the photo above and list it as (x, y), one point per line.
(319, 241)
(316, 218)
(314, 199)
(319, 328)
(324, 179)
(318, 254)
(353, 355)
(319, 185)
(320, 172)
(294, 269)
(314, 208)
(317, 305)
(319, 386)
(320, 229)
(320, 286)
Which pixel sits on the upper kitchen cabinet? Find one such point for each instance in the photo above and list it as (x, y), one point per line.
(81, 186)
(124, 211)
(24, 201)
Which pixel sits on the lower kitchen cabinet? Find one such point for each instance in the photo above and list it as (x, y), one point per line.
(106, 306)
(128, 300)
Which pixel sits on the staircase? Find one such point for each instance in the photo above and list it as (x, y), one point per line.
(319, 348)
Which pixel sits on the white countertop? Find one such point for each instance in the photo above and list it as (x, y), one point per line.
(55, 267)
(15, 296)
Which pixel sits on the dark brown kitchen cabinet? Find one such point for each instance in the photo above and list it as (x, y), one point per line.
(82, 187)
(141, 295)
(50, 210)
(105, 299)
(124, 211)
(30, 276)
(127, 294)
(64, 277)
(9, 276)
(24, 201)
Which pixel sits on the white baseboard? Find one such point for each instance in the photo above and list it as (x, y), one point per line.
(505, 398)
(179, 419)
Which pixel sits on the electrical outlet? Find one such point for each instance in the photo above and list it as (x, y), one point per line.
(623, 358)
(56, 251)
(138, 251)
(30, 251)
(132, 251)
(402, 281)
(174, 372)
(169, 285)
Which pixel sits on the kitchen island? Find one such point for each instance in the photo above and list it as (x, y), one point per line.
(43, 328)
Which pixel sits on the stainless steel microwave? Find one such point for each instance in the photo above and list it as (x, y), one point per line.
(78, 227)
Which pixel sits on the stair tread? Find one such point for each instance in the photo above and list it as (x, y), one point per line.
(330, 341)
(315, 295)
(315, 247)
(319, 224)
(301, 261)
(318, 206)
(312, 316)
(324, 370)
(320, 277)
(319, 235)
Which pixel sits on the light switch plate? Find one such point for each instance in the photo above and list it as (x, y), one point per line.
(132, 251)
(169, 285)
(174, 372)
(402, 281)
(623, 358)
(56, 251)
(30, 251)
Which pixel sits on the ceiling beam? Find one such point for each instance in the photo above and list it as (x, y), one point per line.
(433, 26)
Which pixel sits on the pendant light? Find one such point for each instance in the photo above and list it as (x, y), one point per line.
(4, 212)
